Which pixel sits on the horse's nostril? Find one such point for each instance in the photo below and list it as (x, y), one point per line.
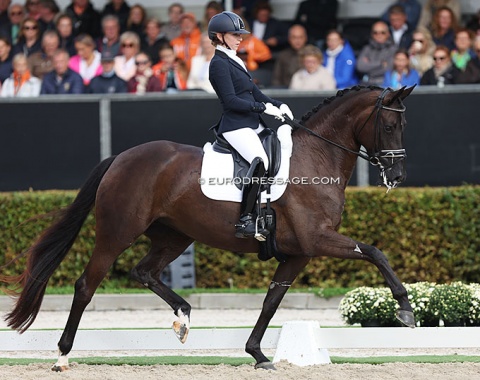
(401, 178)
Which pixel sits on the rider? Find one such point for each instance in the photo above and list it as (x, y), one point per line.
(242, 103)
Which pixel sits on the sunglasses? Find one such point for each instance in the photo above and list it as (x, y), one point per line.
(30, 27)
(138, 63)
(128, 45)
(439, 58)
(19, 13)
(379, 32)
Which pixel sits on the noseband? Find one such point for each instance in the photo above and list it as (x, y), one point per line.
(396, 155)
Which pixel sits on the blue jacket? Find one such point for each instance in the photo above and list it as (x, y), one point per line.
(406, 80)
(405, 40)
(6, 69)
(71, 83)
(412, 8)
(448, 40)
(344, 67)
(107, 85)
(274, 28)
(241, 99)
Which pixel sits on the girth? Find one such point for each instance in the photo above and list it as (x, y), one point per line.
(270, 143)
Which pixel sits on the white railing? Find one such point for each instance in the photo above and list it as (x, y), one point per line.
(295, 339)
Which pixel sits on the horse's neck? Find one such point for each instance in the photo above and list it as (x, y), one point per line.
(322, 158)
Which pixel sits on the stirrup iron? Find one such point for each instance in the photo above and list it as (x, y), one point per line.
(258, 235)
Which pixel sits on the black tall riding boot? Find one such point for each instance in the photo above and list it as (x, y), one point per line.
(246, 226)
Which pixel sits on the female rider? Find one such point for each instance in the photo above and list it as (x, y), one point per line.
(242, 104)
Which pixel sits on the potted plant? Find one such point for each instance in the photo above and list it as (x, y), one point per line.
(419, 296)
(451, 303)
(370, 307)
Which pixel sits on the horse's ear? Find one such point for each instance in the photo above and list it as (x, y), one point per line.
(401, 93)
(407, 91)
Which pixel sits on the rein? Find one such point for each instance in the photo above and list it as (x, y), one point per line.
(296, 125)
(373, 159)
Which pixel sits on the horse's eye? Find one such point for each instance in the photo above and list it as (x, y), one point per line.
(388, 128)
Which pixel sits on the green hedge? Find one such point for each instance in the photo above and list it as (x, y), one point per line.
(428, 234)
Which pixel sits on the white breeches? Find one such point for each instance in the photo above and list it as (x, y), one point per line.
(247, 143)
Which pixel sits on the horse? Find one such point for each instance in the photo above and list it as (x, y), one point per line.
(153, 190)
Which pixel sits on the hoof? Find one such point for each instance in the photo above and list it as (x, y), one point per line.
(265, 365)
(59, 368)
(181, 331)
(406, 317)
(62, 364)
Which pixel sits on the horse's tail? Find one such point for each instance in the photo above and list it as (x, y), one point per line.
(46, 254)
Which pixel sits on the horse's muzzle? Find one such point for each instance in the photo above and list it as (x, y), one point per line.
(393, 176)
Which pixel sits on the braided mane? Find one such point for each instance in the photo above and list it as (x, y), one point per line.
(339, 94)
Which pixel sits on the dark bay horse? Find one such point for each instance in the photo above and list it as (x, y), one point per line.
(153, 189)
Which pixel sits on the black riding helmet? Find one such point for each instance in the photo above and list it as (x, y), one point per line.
(226, 22)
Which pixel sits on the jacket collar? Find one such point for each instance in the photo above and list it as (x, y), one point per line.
(223, 55)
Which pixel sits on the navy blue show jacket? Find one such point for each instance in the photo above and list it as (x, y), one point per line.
(241, 99)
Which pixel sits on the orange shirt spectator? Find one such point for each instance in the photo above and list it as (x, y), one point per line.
(171, 70)
(253, 51)
(187, 44)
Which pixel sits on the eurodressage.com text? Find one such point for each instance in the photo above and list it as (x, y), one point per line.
(218, 181)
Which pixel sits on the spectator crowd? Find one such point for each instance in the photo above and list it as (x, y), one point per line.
(122, 48)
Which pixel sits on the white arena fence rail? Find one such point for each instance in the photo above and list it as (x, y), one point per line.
(300, 342)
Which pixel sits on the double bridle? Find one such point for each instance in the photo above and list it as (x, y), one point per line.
(396, 155)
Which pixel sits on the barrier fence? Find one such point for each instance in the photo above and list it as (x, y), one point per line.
(300, 342)
(54, 141)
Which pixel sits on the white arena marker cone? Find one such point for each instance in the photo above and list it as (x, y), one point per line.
(298, 345)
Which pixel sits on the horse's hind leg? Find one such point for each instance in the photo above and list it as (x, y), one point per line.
(167, 245)
(102, 258)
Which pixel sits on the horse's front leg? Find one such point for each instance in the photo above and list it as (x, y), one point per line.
(377, 257)
(283, 278)
(332, 243)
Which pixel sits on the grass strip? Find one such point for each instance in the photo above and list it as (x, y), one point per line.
(322, 292)
(139, 360)
(432, 359)
(217, 360)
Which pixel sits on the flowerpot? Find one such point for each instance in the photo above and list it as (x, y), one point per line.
(430, 323)
(472, 322)
(395, 323)
(371, 323)
(454, 323)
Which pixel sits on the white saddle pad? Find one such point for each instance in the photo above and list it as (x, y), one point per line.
(217, 171)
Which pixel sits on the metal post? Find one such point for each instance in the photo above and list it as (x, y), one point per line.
(229, 5)
(105, 129)
(362, 173)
